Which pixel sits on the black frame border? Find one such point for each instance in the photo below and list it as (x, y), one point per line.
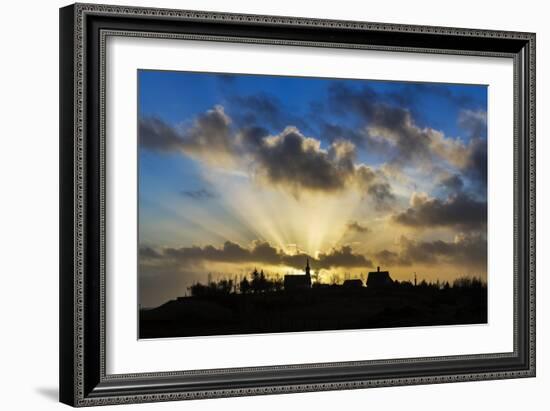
(83, 30)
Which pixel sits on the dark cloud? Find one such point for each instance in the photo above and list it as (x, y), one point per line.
(389, 258)
(474, 122)
(155, 135)
(149, 253)
(263, 252)
(392, 131)
(358, 228)
(297, 162)
(375, 186)
(332, 132)
(408, 94)
(343, 100)
(250, 138)
(381, 194)
(469, 250)
(465, 250)
(476, 164)
(452, 183)
(365, 176)
(230, 253)
(395, 126)
(264, 110)
(259, 108)
(458, 210)
(200, 194)
(289, 159)
(361, 138)
(260, 252)
(343, 257)
(208, 138)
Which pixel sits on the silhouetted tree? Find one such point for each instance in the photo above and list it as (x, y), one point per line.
(255, 282)
(224, 286)
(259, 282)
(264, 283)
(277, 284)
(244, 286)
(405, 284)
(468, 282)
(198, 290)
(334, 279)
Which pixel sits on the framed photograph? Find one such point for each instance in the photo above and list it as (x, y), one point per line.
(260, 204)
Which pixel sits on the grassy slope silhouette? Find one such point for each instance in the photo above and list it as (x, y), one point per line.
(323, 307)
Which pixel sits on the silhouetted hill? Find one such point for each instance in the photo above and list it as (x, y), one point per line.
(319, 308)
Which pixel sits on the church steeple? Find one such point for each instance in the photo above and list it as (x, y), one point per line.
(307, 267)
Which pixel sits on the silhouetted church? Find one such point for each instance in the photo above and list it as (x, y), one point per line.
(298, 281)
(379, 279)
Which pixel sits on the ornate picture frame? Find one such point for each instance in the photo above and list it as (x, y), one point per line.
(84, 30)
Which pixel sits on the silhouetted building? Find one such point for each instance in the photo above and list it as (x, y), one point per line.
(379, 278)
(355, 283)
(298, 281)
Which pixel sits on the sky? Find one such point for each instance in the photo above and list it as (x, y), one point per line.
(240, 171)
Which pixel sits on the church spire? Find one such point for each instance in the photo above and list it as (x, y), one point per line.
(307, 267)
